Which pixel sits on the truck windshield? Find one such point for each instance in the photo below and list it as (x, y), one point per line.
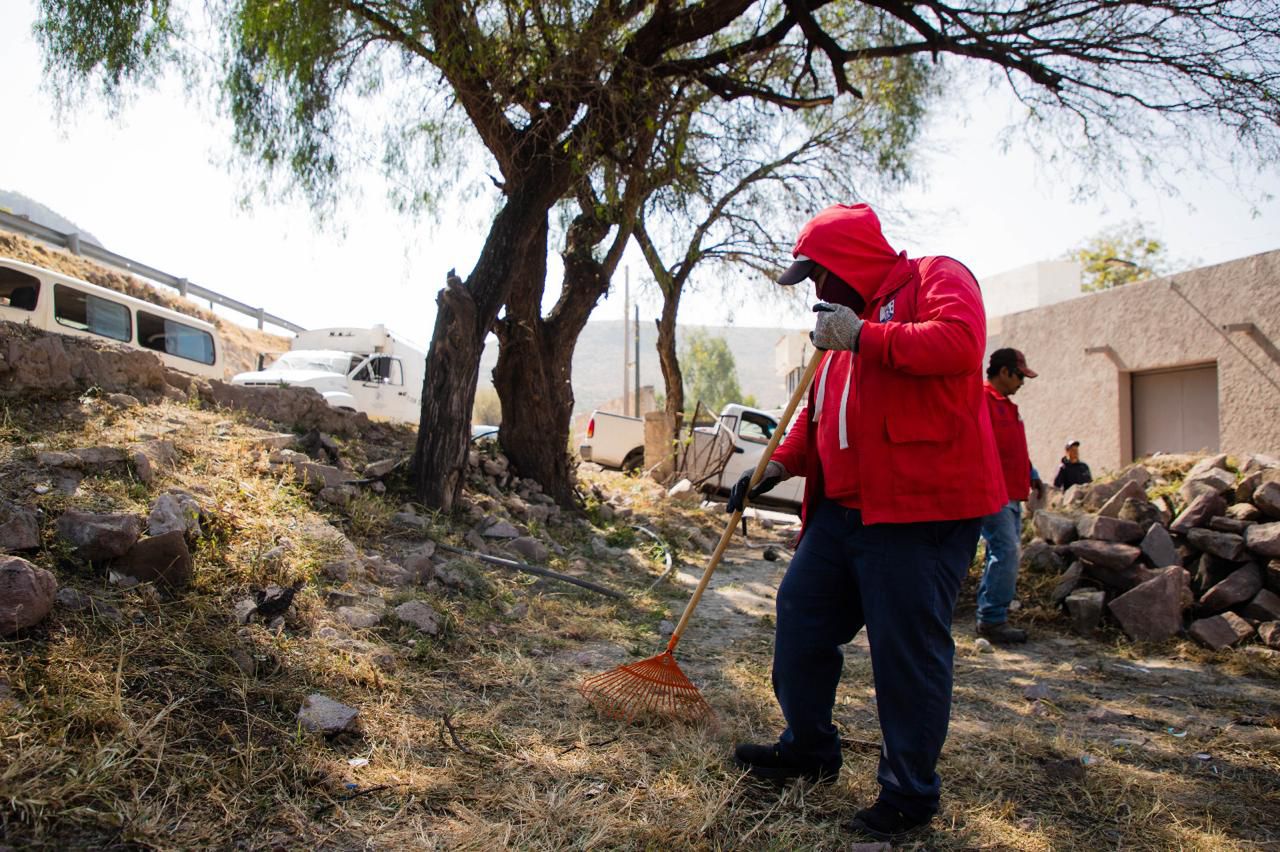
(327, 362)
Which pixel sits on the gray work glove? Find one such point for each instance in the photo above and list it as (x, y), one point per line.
(837, 327)
(773, 474)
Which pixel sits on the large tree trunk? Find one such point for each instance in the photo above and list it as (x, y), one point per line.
(516, 245)
(533, 375)
(672, 380)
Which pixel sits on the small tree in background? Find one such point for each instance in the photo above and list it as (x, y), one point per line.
(709, 371)
(487, 409)
(1119, 256)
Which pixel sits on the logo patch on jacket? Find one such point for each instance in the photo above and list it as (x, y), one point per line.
(886, 310)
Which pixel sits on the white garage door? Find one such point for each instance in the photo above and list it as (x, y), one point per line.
(1175, 411)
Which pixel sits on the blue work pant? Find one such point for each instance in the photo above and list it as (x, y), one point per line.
(1002, 532)
(900, 581)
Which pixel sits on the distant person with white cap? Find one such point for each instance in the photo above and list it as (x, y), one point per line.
(1072, 471)
(1002, 529)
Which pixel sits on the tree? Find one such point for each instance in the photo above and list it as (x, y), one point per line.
(553, 90)
(1120, 256)
(710, 371)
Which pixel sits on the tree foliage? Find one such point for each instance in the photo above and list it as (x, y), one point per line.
(1119, 256)
(710, 371)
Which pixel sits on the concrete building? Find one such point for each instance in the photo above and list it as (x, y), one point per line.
(1184, 363)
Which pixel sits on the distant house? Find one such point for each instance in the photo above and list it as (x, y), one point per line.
(1183, 363)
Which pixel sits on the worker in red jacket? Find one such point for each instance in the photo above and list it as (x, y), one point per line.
(1002, 530)
(900, 466)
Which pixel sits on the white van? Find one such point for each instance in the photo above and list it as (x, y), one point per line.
(41, 298)
(363, 369)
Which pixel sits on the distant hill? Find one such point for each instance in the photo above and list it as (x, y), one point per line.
(19, 205)
(598, 364)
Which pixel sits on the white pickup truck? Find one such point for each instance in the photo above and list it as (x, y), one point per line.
(741, 433)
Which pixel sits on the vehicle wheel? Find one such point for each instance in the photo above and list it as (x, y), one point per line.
(633, 461)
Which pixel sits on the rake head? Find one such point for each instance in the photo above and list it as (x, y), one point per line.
(652, 687)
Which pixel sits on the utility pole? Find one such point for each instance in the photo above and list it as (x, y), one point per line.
(626, 343)
(635, 334)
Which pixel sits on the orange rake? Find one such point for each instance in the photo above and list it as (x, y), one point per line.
(656, 686)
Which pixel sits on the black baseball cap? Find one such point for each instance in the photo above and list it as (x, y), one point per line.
(1012, 359)
(798, 271)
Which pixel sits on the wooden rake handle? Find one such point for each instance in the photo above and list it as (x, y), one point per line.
(755, 479)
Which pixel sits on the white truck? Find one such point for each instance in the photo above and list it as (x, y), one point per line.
(361, 369)
(741, 433)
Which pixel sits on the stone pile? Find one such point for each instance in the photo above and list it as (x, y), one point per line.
(1205, 561)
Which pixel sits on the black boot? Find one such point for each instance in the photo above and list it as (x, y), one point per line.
(768, 761)
(1003, 633)
(883, 821)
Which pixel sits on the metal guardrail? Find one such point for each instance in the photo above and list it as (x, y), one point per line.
(93, 251)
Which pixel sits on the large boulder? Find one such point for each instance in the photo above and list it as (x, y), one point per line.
(1055, 528)
(1105, 553)
(1239, 587)
(1152, 611)
(1157, 545)
(1228, 546)
(161, 559)
(1267, 498)
(1198, 513)
(1103, 528)
(1220, 631)
(1264, 539)
(27, 594)
(1129, 490)
(19, 528)
(1085, 607)
(97, 537)
(1211, 481)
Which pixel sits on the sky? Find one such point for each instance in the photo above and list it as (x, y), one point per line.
(156, 183)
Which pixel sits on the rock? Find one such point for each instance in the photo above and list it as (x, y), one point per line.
(1105, 554)
(1240, 586)
(1067, 583)
(1157, 545)
(421, 616)
(174, 511)
(1220, 631)
(1152, 611)
(244, 661)
(338, 495)
(359, 617)
(1101, 528)
(384, 572)
(982, 646)
(379, 469)
(1198, 513)
(1207, 464)
(1267, 498)
(73, 599)
(1242, 512)
(1271, 576)
(1264, 539)
(1038, 557)
(1074, 496)
(420, 564)
(500, 529)
(1265, 606)
(1211, 570)
(1144, 513)
(163, 559)
(530, 548)
(1037, 692)
(684, 492)
(1228, 546)
(1085, 607)
(1138, 473)
(1228, 524)
(26, 594)
(1129, 490)
(244, 610)
(321, 714)
(1258, 461)
(1269, 633)
(342, 570)
(412, 521)
(1120, 579)
(1246, 486)
(97, 537)
(101, 459)
(1095, 495)
(19, 528)
(1055, 528)
(123, 400)
(1213, 481)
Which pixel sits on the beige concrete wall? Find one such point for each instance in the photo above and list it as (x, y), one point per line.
(1086, 349)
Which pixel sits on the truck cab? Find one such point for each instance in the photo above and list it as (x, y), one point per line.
(362, 369)
(745, 432)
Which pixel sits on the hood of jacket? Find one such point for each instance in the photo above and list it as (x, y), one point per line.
(847, 240)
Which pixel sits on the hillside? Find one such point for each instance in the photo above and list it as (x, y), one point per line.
(20, 205)
(598, 364)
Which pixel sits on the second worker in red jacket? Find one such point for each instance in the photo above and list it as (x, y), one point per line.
(900, 466)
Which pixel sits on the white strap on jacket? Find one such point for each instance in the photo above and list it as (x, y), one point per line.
(844, 408)
(822, 388)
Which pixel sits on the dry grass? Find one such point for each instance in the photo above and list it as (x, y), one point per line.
(140, 730)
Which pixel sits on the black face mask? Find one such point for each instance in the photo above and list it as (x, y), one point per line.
(834, 289)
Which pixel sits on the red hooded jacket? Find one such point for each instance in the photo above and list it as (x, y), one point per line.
(1011, 442)
(900, 429)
